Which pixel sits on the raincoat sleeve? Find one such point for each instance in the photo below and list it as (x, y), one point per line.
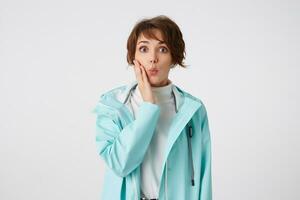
(123, 148)
(206, 177)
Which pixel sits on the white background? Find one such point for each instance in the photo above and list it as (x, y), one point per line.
(57, 57)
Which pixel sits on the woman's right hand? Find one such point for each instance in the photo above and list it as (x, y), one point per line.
(143, 82)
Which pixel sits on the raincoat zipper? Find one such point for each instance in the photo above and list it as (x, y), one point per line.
(133, 177)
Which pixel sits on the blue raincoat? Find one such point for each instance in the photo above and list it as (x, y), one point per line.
(122, 141)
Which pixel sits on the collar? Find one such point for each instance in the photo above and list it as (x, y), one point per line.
(125, 94)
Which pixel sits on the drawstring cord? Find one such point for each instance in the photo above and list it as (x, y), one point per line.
(189, 136)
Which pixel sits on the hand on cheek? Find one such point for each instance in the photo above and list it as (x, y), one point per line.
(143, 82)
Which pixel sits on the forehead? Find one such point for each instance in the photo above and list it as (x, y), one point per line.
(154, 34)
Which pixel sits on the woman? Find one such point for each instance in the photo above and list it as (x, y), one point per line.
(153, 136)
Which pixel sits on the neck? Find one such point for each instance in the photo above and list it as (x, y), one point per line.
(161, 84)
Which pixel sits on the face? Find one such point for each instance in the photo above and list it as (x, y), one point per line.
(156, 58)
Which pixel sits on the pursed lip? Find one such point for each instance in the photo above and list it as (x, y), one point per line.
(153, 72)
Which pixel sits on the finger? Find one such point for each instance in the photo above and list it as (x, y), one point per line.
(144, 74)
(139, 66)
(138, 72)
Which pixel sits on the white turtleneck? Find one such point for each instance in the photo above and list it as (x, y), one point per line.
(152, 165)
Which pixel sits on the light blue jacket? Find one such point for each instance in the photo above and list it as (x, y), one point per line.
(122, 141)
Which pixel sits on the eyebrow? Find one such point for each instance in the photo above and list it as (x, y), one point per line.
(147, 42)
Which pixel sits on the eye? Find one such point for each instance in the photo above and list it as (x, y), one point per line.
(165, 50)
(141, 48)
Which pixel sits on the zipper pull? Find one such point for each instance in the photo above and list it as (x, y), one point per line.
(193, 182)
(190, 131)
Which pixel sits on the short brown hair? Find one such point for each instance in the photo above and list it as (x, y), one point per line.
(170, 32)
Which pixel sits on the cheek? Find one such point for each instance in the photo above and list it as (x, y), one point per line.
(139, 56)
(166, 59)
(142, 59)
(165, 70)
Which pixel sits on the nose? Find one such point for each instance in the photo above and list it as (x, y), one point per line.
(153, 59)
